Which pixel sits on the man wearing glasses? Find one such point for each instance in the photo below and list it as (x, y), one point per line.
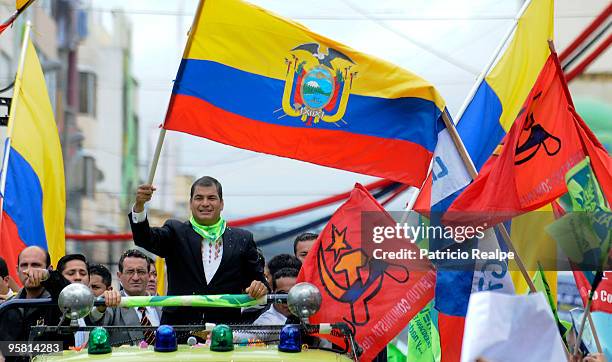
(134, 275)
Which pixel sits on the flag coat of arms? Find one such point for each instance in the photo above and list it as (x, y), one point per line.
(376, 297)
(254, 80)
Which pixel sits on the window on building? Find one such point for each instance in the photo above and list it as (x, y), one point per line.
(89, 176)
(87, 93)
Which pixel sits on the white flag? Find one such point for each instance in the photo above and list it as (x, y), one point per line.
(508, 328)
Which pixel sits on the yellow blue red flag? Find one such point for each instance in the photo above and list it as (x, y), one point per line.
(254, 80)
(34, 203)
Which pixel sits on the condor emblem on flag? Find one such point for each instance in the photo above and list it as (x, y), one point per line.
(320, 91)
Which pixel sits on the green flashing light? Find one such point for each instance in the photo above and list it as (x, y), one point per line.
(222, 339)
(98, 341)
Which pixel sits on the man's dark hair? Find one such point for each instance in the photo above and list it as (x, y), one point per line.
(303, 237)
(103, 272)
(284, 273)
(47, 256)
(281, 261)
(3, 268)
(207, 181)
(133, 253)
(61, 264)
(150, 262)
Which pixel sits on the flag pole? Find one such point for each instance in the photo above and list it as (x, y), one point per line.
(155, 160)
(587, 315)
(162, 132)
(599, 275)
(465, 157)
(469, 165)
(11, 120)
(160, 266)
(594, 331)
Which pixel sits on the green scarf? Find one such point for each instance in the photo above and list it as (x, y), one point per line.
(210, 233)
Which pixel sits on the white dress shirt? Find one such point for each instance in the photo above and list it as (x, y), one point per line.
(211, 264)
(151, 314)
(271, 317)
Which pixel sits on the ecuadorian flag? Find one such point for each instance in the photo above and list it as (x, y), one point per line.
(34, 203)
(254, 80)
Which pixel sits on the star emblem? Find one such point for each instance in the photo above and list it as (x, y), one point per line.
(339, 242)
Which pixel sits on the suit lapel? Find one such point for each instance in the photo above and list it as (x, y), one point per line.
(229, 246)
(130, 318)
(195, 246)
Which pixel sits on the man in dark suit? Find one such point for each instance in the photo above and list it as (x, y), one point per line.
(203, 255)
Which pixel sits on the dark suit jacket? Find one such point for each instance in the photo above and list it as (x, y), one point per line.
(180, 245)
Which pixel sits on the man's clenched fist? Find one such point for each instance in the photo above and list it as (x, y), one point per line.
(143, 195)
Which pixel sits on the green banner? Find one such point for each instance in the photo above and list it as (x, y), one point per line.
(423, 338)
(222, 300)
(585, 234)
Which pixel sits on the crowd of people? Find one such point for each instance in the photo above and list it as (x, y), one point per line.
(137, 276)
(204, 256)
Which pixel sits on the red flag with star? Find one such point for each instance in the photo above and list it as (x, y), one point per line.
(361, 284)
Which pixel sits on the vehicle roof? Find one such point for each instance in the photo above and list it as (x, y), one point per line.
(198, 353)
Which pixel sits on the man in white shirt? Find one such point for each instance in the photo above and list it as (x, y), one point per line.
(134, 275)
(282, 281)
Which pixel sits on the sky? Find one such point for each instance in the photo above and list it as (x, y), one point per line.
(446, 42)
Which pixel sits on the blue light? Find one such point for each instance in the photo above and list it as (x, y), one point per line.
(290, 339)
(165, 339)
